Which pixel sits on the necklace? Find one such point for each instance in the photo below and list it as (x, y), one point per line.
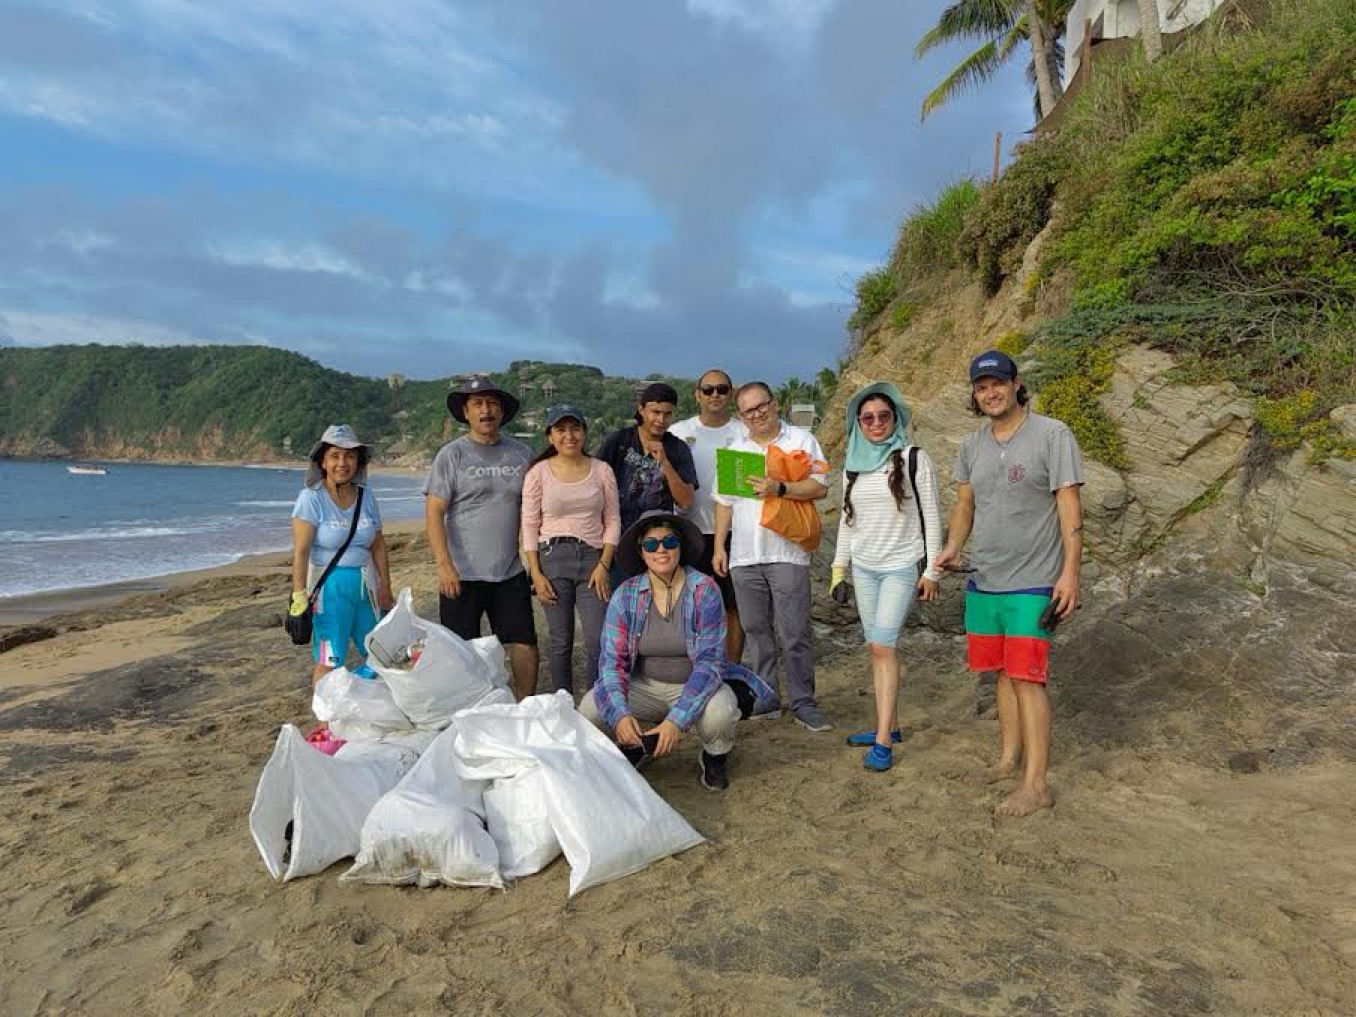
(667, 609)
(1003, 443)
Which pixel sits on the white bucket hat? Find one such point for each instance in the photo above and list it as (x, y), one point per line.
(340, 436)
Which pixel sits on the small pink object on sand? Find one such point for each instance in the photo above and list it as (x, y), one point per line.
(322, 741)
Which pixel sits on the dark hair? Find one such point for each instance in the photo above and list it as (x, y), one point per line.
(714, 370)
(319, 457)
(1023, 397)
(896, 481)
(550, 450)
(658, 524)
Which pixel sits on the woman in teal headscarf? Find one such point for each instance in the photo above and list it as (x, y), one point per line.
(889, 529)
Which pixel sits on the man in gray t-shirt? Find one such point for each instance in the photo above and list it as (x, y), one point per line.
(472, 512)
(1018, 496)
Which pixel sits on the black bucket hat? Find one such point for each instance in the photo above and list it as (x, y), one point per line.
(628, 548)
(456, 401)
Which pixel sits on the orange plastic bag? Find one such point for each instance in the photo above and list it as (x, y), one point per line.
(797, 521)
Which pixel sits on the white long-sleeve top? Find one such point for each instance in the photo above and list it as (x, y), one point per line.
(884, 536)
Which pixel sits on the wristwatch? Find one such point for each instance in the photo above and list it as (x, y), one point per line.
(781, 489)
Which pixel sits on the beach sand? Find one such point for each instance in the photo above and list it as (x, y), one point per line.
(1164, 882)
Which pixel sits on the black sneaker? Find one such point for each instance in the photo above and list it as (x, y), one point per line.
(714, 775)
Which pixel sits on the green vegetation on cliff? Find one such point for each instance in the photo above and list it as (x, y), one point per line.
(1204, 204)
(245, 402)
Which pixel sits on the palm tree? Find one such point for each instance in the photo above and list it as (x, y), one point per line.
(1001, 26)
(1150, 31)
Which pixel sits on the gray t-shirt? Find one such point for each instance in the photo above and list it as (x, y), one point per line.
(663, 650)
(483, 487)
(1015, 543)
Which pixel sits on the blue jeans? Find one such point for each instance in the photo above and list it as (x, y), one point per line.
(884, 600)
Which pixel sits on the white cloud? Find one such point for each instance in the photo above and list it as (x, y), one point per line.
(33, 328)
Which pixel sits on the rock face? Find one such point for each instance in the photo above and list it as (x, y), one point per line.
(1190, 488)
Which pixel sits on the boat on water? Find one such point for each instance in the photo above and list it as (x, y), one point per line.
(87, 470)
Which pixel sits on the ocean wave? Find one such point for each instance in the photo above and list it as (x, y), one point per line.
(106, 533)
(265, 504)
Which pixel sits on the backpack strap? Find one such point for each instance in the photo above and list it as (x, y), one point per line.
(352, 529)
(918, 502)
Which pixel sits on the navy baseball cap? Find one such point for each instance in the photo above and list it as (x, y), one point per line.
(993, 365)
(565, 412)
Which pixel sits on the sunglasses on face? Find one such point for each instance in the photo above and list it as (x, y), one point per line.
(871, 419)
(653, 544)
(710, 390)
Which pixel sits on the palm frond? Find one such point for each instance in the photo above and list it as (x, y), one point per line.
(973, 71)
(970, 19)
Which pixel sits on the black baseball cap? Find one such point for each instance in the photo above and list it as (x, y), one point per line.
(993, 365)
(658, 392)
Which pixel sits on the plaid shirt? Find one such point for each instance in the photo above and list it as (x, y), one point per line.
(703, 621)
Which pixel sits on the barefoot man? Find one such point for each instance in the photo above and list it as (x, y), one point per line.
(1018, 481)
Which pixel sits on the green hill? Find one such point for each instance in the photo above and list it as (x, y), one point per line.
(1204, 204)
(252, 402)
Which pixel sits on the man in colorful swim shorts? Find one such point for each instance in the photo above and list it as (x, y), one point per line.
(1018, 481)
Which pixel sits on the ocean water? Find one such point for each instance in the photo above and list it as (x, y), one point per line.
(59, 531)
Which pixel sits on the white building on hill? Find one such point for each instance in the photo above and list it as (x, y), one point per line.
(1119, 19)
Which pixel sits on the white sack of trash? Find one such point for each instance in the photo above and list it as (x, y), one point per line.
(444, 779)
(432, 672)
(608, 820)
(309, 808)
(429, 829)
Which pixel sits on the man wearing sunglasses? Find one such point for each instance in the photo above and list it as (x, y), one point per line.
(713, 428)
(771, 574)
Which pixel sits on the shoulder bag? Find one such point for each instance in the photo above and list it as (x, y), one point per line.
(299, 625)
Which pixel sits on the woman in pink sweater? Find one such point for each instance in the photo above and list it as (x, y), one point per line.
(571, 524)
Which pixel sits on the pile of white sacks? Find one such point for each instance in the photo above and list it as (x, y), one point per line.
(445, 779)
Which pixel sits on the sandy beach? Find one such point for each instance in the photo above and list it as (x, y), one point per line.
(1173, 876)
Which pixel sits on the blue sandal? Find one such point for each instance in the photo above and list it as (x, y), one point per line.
(869, 737)
(880, 758)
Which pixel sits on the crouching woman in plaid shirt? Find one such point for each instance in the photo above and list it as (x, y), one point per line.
(662, 672)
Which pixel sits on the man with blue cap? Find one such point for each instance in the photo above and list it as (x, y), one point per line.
(1018, 480)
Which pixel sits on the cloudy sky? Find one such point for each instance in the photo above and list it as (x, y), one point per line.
(436, 187)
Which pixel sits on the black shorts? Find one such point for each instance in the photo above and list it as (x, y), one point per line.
(508, 604)
(727, 594)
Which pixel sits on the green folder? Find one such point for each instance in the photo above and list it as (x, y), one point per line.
(734, 469)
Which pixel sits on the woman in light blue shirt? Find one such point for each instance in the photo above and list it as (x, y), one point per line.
(346, 607)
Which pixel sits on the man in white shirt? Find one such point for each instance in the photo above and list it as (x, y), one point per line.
(713, 428)
(771, 574)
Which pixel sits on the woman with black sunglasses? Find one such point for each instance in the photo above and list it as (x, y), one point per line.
(662, 672)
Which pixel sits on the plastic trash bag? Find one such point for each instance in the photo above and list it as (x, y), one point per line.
(518, 818)
(449, 674)
(357, 709)
(491, 651)
(309, 807)
(429, 829)
(609, 821)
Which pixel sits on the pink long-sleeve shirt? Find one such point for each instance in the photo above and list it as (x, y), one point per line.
(586, 508)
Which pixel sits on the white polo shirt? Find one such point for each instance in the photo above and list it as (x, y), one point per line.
(751, 543)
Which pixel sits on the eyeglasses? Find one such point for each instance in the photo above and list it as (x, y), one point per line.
(756, 411)
(871, 419)
(653, 544)
(710, 390)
